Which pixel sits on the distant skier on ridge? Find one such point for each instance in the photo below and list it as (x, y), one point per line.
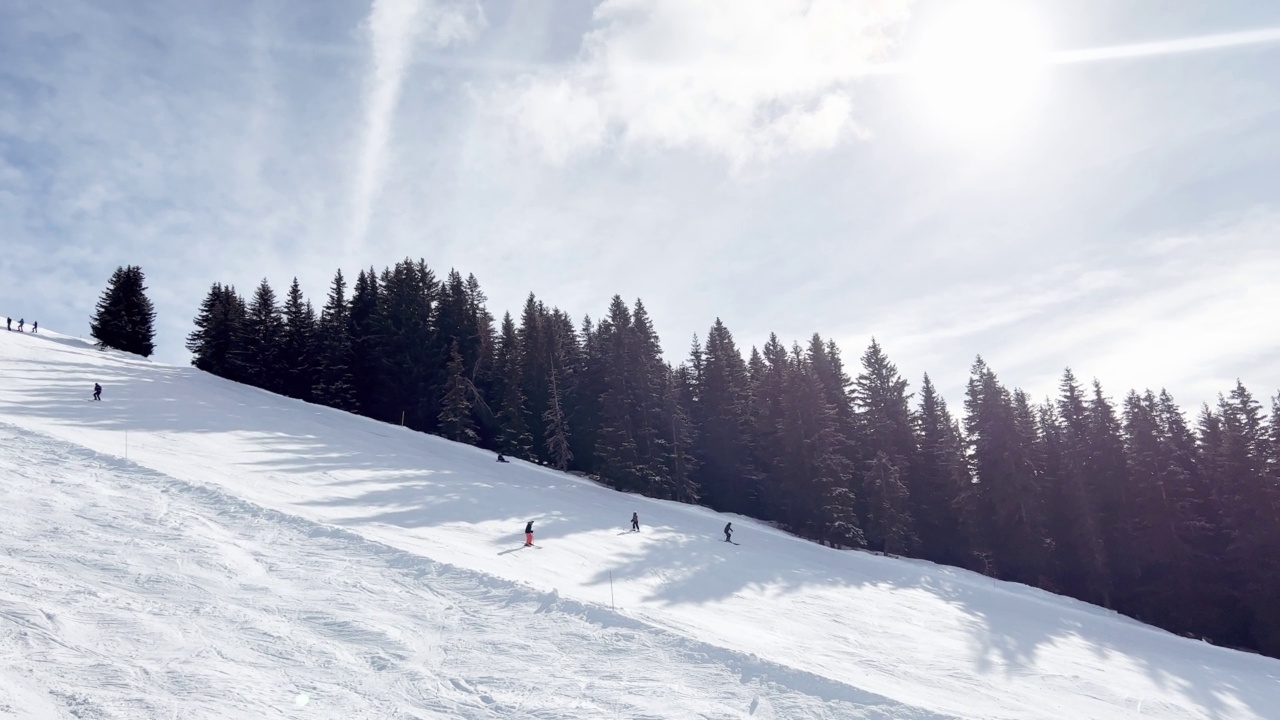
(528, 534)
(728, 531)
(635, 522)
(97, 391)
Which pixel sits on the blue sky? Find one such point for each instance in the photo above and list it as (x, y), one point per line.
(789, 166)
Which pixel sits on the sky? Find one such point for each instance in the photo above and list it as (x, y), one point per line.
(1047, 183)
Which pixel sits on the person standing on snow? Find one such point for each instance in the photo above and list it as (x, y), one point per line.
(35, 325)
(8, 323)
(97, 391)
(20, 321)
(528, 534)
(635, 522)
(728, 530)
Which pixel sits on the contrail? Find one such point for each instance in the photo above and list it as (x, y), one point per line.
(1203, 43)
(393, 25)
(1166, 47)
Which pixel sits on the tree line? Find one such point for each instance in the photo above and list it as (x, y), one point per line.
(1129, 506)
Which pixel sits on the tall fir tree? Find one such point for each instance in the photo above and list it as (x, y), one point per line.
(259, 351)
(456, 422)
(124, 318)
(334, 385)
(219, 327)
(298, 345)
(1008, 495)
(941, 479)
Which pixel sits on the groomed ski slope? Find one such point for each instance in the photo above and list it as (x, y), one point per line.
(193, 548)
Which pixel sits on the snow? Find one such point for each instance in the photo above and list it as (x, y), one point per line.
(193, 548)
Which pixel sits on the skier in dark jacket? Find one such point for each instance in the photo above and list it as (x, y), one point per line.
(635, 522)
(728, 530)
(35, 325)
(528, 534)
(8, 323)
(97, 391)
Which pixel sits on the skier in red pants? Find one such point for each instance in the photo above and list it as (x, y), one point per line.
(528, 534)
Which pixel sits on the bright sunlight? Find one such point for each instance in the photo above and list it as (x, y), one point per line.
(977, 67)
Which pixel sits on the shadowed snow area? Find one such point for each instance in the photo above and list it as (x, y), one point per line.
(193, 548)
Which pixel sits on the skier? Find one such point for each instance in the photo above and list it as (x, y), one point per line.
(20, 324)
(728, 530)
(8, 323)
(501, 459)
(528, 534)
(635, 522)
(97, 391)
(35, 325)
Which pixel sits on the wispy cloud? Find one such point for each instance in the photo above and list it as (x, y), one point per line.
(395, 27)
(1165, 312)
(739, 80)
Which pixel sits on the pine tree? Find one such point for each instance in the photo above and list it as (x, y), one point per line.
(1008, 498)
(884, 417)
(410, 370)
(219, 325)
(259, 353)
(725, 475)
(124, 317)
(298, 345)
(889, 522)
(514, 437)
(557, 433)
(362, 320)
(940, 482)
(334, 385)
(455, 418)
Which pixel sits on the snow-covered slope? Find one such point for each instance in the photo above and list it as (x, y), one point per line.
(192, 548)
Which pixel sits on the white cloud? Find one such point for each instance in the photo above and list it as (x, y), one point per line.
(742, 80)
(395, 26)
(1163, 312)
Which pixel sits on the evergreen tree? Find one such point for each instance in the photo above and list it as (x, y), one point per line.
(410, 370)
(884, 417)
(1080, 547)
(219, 325)
(362, 320)
(259, 353)
(334, 385)
(889, 522)
(1251, 517)
(725, 475)
(513, 438)
(125, 318)
(940, 482)
(1164, 525)
(557, 429)
(1008, 496)
(455, 418)
(298, 345)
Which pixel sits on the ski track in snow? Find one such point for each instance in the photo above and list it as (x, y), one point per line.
(127, 593)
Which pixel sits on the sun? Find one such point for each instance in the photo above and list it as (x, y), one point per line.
(977, 67)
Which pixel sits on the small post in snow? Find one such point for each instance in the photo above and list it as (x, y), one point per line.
(402, 418)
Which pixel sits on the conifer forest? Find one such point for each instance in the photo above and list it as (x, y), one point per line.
(1128, 502)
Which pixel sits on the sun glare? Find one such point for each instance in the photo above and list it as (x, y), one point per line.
(977, 67)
